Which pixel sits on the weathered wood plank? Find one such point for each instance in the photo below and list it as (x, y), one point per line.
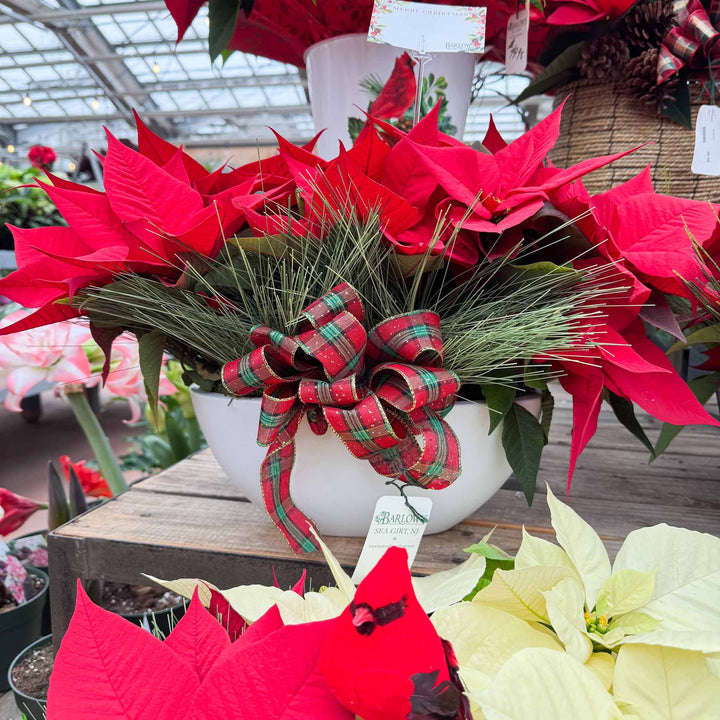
(601, 495)
(197, 476)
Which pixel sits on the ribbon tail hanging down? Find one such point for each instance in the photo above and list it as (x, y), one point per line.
(275, 473)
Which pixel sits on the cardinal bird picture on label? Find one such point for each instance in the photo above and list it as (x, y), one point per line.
(393, 99)
(383, 658)
(398, 93)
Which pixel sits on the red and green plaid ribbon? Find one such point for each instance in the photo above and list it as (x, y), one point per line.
(384, 393)
(693, 41)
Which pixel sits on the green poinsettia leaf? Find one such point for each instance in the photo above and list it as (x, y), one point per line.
(491, 552)
(151, 347)
(223, 16)
(709, 334)
(523, 439)
(548, 407)
(499, 400)
(703, 388)
(562, 70)
(495, 559)
(625, 413)
(679, 109)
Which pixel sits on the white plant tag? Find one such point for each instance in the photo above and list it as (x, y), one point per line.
(428, 28)
(706, 158)
(393, 524)
(516, 44)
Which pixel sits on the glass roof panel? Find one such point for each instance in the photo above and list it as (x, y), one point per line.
(37, 37)
(41, 73)
(91, 86)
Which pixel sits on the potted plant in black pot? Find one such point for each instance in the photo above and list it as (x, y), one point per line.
(29, 671)
(23, 594)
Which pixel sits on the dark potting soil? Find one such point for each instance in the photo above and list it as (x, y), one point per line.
(33, 585)
(32, 674)
(133, 599)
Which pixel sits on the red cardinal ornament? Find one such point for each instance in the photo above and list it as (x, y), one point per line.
(383, 659)
(398, 93)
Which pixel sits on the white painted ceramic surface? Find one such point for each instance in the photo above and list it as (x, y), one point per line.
(335, 489)
(336, 67)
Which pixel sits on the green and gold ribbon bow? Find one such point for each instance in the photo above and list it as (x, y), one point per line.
(384, 393)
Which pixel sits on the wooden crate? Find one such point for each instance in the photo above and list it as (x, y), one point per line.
(189, 521)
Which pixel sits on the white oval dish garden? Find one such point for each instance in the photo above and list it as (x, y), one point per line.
(337, 490)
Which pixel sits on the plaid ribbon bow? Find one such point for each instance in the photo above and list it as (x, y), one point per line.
(378, 391)
(693, 40)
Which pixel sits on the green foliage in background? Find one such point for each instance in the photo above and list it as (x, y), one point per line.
(172, 433)
(26, 207)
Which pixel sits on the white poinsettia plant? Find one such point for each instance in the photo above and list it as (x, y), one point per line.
(559, 632)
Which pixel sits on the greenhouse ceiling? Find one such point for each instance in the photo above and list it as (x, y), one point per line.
(68, 67)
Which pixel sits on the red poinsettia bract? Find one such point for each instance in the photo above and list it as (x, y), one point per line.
(133, 226)
(109, 668)
(381, 658)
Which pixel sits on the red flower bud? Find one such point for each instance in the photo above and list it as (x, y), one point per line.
(17, 509)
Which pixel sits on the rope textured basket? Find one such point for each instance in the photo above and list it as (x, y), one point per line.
(600, 120)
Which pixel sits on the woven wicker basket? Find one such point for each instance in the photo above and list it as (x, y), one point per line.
(599, 120)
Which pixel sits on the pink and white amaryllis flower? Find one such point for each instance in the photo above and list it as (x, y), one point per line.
(53, 353)
(125, 379)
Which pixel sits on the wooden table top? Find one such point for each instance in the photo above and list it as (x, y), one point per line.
(193, 504)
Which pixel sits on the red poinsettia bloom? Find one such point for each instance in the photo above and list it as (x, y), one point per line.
(41, 156)
(270, 672)
(91, 481)
(577, 12)
(383, 653)
(16, 509)
(135, 224)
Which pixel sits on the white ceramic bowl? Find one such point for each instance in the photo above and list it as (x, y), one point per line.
(337, 490)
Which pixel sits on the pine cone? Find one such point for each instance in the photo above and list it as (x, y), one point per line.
(603, 58)
(647, 23)
(640, 79)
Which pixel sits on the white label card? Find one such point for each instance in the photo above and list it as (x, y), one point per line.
(516, 43)
(428, 28)
(393, 524)
(706, 158)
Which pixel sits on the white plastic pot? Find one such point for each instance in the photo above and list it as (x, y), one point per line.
(337, 490)
(337, 67)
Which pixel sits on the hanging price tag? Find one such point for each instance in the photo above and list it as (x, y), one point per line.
(516, 44)
(428, 28)
(394, 524)
(706, 158)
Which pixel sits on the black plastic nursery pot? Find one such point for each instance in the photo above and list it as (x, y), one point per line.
(32, 708)
(21, 627)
